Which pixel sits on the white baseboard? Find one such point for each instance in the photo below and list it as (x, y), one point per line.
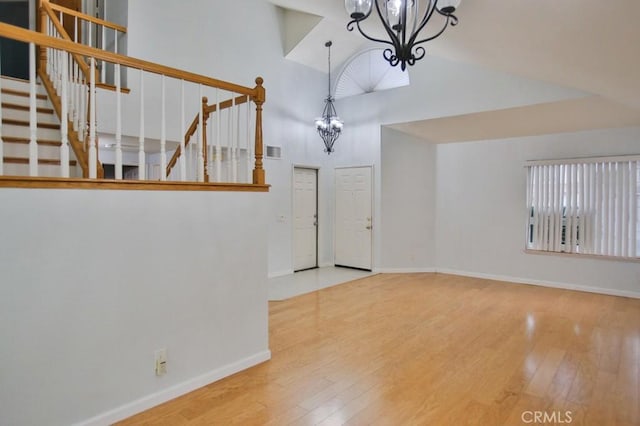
(404, 270)
(175, 391)
(279, 273)
(552, 284)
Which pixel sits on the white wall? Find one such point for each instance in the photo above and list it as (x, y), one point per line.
(204, 41)
(95, 281)
(438, 88)
(408, 198)
(481, 211)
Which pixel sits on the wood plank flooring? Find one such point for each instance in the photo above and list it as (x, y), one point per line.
(432, 349)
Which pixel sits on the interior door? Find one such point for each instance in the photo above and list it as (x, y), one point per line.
(354, 220)
(305, 212)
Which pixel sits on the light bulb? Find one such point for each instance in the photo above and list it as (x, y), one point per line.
(448, 6)
(358, 9)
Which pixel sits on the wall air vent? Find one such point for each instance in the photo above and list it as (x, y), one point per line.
(274, 152)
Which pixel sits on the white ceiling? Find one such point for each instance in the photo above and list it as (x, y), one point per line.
(590, 45)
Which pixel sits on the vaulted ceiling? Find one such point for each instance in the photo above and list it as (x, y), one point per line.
(589, 45)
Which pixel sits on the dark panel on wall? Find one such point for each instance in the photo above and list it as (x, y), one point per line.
(14, 55)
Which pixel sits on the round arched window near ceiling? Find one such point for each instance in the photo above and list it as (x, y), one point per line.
(368, 72)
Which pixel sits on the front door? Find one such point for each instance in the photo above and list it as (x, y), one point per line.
(354, 221)
(305, 212)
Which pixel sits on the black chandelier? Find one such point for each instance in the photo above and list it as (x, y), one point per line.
(403, 20)
(329, 125)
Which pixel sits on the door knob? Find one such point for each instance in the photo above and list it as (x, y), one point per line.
(368, 226)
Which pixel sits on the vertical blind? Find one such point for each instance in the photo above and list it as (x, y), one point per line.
(586, 206)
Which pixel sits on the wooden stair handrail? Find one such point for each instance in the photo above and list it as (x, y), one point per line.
(84, 67)
(207, 110)
(74, 140)
(24, 35)
(47, 10)
(257, 94)
(239, 100)
(79, 147)
(85, 17)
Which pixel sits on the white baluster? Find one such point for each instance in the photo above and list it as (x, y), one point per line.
(83, 106)
(249, 143)
(58, 67)
(218, 139)
(33, 113)
(118, 124)
(115, 41)
(93, 151)
(183, 154)
(235, 138)
(64, 130)
(163, 132)
(141, 155)
(75, 29)
(192, 163)
(211, 150)
(1, 141)
(90, 34)
(200, 139)
(76, 97)
(103, 71)
(229, 141)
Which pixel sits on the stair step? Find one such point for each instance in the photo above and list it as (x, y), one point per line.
(41, 110)
(41, 161)
(48, 149)
(19, 84)
(21, 93)
(24, 101)
(21, 131)
(23, 116)
(12, 122)
(25, 141)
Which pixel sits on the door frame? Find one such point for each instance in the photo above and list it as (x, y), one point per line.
(293, 224)
(374, 224)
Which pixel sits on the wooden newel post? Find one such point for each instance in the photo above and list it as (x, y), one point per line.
(259, 99)
(205, 117)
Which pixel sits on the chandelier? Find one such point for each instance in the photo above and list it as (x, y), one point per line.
(403, 20)
(329, 125)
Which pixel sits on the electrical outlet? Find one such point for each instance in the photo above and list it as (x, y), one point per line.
(161, 362)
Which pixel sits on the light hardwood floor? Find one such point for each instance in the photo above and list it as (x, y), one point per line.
(432, 349)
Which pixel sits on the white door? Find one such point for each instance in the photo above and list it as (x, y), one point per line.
(305, 212)
(353, 217)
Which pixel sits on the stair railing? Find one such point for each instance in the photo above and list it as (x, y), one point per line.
(228, 150)
(92, 32)
(153, 114)
(66, 78)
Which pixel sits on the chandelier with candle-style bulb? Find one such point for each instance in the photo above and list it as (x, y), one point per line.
(329, 126)
(403, 20)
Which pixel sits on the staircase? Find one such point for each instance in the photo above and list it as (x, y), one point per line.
(222, 146)
(16, 132)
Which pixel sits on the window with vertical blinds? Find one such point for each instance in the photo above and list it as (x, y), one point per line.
(584, 206)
